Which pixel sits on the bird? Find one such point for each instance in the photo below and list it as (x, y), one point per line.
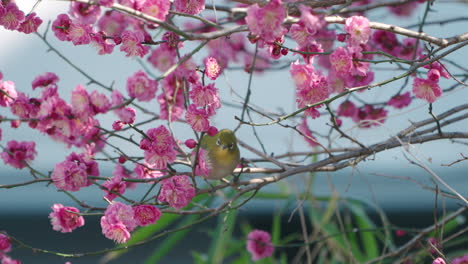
(222, 154)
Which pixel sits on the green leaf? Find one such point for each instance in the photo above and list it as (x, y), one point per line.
(368, 238)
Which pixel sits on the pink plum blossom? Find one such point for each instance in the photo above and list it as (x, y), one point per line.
(70, 176)
(386, 41)
(157, 8)
(65, 218)
(118, 212)
(426, 89)
(158, 147)
(358, 29)
(314, 90)
(176, 191)
(212, 68)
(8, 260)
(30, 24)
(205, 96)
(12, 16)
(84, 13)
(101, 43)
(5, 244)
(439, 261)
(115, 231)
(197, 118)
(45, 80)
(114, 186)
(99, 102)
(259, 244)
(140, 86)
(80, 34)
(146, 171)
(400, 101)
(112, 23)
(17, 153)
(203, 164)
(146, 214)
(267, 21)
(163, 57)
(191, 7)
(461, 260)
(408, 48)
(61, 27)
(7, 93)
(341, 61)
(131, 44)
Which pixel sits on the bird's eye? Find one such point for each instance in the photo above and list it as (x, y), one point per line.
(231, 146)
(218, 142)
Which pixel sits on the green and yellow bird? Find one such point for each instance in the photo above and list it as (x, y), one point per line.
(223, 153)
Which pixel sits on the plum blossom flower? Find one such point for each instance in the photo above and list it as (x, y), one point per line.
(341, 61)
(119, 212)
(191, 7)
(112, 23)
(313, 90)
(212, 68)
(439, 261)
(115, 231)
(45, 80)
(400, 101)
(147, 171)
(203, 164)
(7, 93)
(101, 43)
(347, 109)
(12, 16)
(80, 34)
(140, 86)
(163, 57)
(426, 89)
(30, 24)
(84, 13)
(146, 214)
(197, 118)
(5, 244)
(158, 147)
(61, 27)
(72, 174)
(386, 41)
(17, 153)
(461, 260)
(358, 29)
(157, 8)
(259, 244)
(8, 260)
(176, 191)
(131, 44)
(65, 218)
(205, 96)
(114, 186)
(267, 21)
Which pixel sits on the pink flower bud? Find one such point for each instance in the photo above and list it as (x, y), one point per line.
(400, 233)
(284, 52)
(341, 37)
(117, 125)
(438, 261)
(190, 143)
(122, 159)
(212, 131)
(5, 243)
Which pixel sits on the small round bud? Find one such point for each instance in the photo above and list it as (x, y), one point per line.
(117, 125)
(190, 143)
(15, 123)
(338, 122)
(212, 131)
(400, 233)
(5, 243)
(341, 37)
(122, 159)
(284, 51)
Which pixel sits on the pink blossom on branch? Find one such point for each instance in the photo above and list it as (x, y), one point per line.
(17, 153)
(197, 118)
(61, 27)
(205, 96)
(400, 101)
(65, 218)
(191, 7)
(146, 214)
(131, 44)
(45, 80)
(212, 68)
(267, 21)
(176, 191)
(159, 147)
(115, 231)
(5, 244)
(358, 29)
(156, 8)
(341, 61)
(30, 24)
(119, 212)
(114, 186)
(426, 89)
(259, 244)
(7, 93)
(140, 86)
(84, 13)
(12, 17)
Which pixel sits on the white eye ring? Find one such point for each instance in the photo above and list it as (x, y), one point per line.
(218, 142)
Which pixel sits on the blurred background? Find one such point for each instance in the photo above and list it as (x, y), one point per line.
(385, 182)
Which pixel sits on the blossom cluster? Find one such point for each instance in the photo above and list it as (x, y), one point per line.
(11, 18)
